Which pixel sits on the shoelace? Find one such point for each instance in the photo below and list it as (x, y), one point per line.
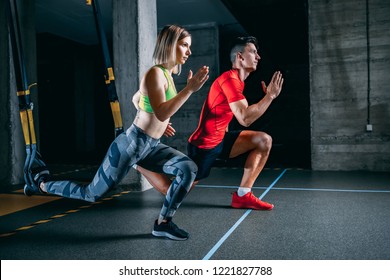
(172, 225)
(175, 228)
(256, 199)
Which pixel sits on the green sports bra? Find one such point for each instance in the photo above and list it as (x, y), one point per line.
(170, 93)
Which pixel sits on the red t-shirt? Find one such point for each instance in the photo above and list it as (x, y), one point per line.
(216, 113)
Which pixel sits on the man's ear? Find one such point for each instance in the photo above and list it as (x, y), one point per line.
(239, 56)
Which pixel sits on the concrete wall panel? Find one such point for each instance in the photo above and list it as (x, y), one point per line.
(343, 62)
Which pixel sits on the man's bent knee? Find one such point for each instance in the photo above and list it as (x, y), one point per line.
(265, 143)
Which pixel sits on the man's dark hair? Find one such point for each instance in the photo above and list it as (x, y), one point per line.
(239, 44)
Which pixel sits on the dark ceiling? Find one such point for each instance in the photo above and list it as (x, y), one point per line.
(278, 24)
(73, 19)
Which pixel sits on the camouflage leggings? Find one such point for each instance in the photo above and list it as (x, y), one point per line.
(126, 150)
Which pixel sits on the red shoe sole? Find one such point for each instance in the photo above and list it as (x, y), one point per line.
(254, 208)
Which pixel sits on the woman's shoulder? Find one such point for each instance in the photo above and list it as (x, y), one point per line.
(152, 71)
(154, 75)
(155, 70)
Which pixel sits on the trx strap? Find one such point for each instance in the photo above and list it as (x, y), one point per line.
(109, 73)
(33, 157)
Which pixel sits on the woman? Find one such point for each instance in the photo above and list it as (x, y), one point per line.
(158, 101)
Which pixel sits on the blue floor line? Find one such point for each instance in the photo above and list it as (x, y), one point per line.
(227, 234)
(333, 190)
(299, 189)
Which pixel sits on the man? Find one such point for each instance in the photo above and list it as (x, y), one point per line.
(211, 140)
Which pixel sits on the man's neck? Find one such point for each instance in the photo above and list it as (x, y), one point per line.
(242, 72)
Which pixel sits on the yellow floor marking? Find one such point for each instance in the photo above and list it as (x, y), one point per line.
(11, 203)
(72, 211)
(25, 227)
(19, 191)
(7, 234)
(58, 216)
(97, 202)
(42, 222)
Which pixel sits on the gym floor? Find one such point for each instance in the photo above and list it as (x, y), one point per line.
(318, 215)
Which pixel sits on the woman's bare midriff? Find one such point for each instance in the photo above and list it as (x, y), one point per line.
(150, 124)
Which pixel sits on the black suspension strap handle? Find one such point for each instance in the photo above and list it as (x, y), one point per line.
(109, 72)
(33, 157)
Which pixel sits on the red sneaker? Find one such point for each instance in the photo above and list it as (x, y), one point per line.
(249, 201)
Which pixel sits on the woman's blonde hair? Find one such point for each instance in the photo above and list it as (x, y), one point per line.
(165, 49)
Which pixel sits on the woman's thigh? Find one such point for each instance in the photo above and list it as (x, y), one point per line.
(163, 159)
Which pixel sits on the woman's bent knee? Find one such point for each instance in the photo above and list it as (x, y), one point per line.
(189, 169)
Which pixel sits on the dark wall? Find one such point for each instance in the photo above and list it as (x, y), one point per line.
(281, 28)
(75, 118)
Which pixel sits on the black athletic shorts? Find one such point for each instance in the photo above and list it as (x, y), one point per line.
(204, 158)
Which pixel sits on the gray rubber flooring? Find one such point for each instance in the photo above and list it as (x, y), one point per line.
(317, 216)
